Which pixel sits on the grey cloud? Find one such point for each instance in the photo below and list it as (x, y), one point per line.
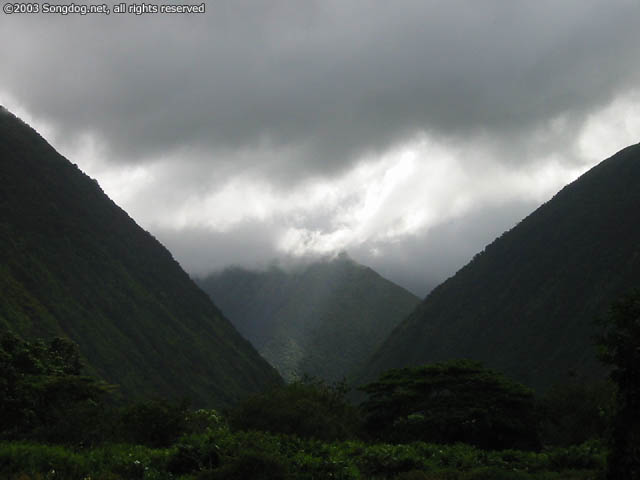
(417, 262)
(200, 251)
(284, 91)
(326, 80)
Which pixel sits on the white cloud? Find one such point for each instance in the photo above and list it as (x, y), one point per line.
(284, 129)
(385, 199)
(611, 129)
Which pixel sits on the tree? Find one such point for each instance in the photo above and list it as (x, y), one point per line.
(619, 347)
(307, 408)
(575, 411)
(456, 401)
(155, 423)
(42, 394)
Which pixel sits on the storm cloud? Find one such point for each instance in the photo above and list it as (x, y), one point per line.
(300, 128)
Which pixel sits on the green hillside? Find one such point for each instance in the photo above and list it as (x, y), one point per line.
(73, 263)
(324, 319)
(527, 303)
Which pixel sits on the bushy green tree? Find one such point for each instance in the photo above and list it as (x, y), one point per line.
(620, 348)
(307, 408)
(43, 394)
(456, 401)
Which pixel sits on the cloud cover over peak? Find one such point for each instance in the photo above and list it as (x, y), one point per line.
(325, 125)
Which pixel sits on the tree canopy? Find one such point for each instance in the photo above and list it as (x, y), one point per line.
(308, 408)
(42, 392)
(455, 401)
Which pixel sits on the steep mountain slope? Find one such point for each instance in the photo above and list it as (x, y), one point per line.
(73, 263)
(527, 303)
(324, 319)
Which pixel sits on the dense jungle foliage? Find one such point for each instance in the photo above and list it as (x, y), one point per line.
(58, 423)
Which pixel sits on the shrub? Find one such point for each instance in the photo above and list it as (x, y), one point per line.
(33, 459)
(252, 465)
(195, 452)
(494, 473)
(204, 421)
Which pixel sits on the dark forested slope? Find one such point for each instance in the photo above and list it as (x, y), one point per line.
(324, 319)
(526, 305)
(73, 263)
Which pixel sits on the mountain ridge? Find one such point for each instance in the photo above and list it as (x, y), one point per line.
(527, 303)
(323, 318)
(73, 263)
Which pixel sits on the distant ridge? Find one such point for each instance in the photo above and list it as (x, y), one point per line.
(73, 263)
(527, 303)
(323, 319)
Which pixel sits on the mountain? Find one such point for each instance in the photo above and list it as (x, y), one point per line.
(526, 305)
(72, 263)
(324, 319)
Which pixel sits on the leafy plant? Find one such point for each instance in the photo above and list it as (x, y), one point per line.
(253, 465)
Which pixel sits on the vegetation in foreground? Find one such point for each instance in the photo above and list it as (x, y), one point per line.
(447, 421)
(222, 454)
(57, 424)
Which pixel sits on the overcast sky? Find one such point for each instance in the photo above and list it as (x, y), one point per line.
(408, 133)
